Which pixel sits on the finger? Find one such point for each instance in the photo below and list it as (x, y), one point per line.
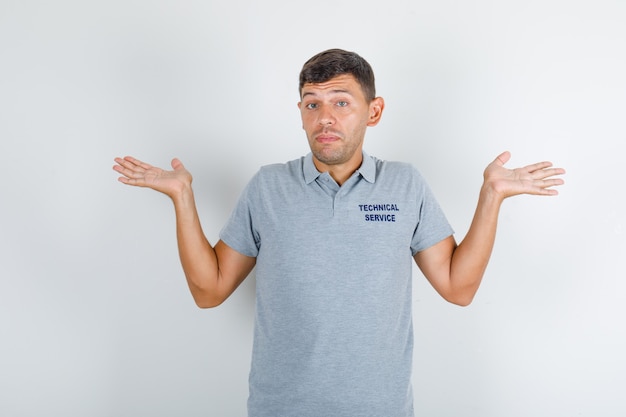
(543, 187)
(137, 162)
(125, 169)
(127, 163)
(133, 168)
(547, 173)
(503, 158)
(177, 164)
(532, 168)
(137, 182)
(552, 182)
(120, 167)
(548, 191)
(134, 175)
(120, 163)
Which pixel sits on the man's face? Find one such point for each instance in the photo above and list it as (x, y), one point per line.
(335, 115)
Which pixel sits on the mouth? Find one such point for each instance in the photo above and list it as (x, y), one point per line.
(327, 137)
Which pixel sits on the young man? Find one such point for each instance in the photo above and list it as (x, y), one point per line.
(332, 235)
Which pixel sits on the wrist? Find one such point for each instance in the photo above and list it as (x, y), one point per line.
(490, 196)
(183, 196)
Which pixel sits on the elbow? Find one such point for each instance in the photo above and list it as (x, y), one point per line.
(203, 304)
(461, 302)
(461, 299)
(205, 301)
(462, 295)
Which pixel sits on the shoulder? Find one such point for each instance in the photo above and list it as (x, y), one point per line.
(400, 178)
(393, 170)
(280, 171)
(273, 177)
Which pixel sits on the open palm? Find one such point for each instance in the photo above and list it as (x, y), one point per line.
(140, 174)
(533, 179)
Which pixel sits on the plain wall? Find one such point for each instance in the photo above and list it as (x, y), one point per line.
(95, 316)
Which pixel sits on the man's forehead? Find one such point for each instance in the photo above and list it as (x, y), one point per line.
(344, 83)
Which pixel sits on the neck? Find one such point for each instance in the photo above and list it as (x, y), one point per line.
(340, 172)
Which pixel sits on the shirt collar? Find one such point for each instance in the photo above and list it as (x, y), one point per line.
(367, 169)
(310, 172)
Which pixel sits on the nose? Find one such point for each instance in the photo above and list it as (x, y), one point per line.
(326, 117)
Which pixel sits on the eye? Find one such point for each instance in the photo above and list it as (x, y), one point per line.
(311, 106)
(342, 103)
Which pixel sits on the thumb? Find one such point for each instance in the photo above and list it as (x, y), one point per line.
(503, 158)
(176, 164)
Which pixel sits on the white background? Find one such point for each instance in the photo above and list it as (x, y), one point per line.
(95, 316)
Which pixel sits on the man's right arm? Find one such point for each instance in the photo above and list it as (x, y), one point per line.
(212, 273)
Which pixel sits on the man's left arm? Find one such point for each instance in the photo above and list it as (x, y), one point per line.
(455, 271)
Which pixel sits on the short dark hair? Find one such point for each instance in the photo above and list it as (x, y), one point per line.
(333, 62)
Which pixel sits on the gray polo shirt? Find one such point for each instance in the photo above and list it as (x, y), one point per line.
(333, 333)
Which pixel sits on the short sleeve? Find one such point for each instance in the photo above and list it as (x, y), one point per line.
(432, 225)
(239, 231)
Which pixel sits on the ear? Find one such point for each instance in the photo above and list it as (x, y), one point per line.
(300, 110)
(376, 111)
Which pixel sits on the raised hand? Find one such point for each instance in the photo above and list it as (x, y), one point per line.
(140, 174)
(535, 179)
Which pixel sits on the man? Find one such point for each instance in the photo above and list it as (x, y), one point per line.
(332, 235)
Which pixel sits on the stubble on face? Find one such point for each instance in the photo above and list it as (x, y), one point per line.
(336, 124)
(331, 146)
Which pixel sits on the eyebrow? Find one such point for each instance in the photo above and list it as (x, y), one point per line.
(336, 91)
